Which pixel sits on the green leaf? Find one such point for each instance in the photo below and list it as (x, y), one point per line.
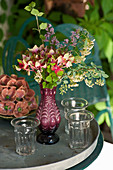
(54, 76)
(52, 64)
(107, 119)
(74, 74)
(28, 8)
(40, 14)
(99, 67)
(49, 78)
(109, 49)
(1, 34)
(44, 84)
(60, 73)
(2, 18)
(55, 79)
(100, 106)
(110, 84)
(102, 38)
(55, 16)
(94, 16)
(48, 69)
(34, 12)
(69, 72)
(107, 27)
(68, 19)
(4, 5)
(105, 75)
(109, 16)
(22, 13)
(43, 26)
(49, 86)
(35, 29)
(85, 43)
(20, 61)
(111, 64)
(107, 6)
(32, 4)
(93, 65)
(101, 119)
(42, 37)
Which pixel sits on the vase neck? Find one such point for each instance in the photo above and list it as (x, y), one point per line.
(47, 91)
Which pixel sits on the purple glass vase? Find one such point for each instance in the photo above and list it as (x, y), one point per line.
(49, 116)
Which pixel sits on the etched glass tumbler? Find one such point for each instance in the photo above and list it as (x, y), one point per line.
(74, 104)
(25, 129)
(79, 131)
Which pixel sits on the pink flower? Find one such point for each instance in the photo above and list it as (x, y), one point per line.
(73, 32)
(22, 65)
(66, 41)
(68, 64)
(11, 82)
(52, 31)
(34, 49)
(20, 94)
(61, 60)
(26, 57)
(4, 79)
(21, 82)
(8, 93)
(21, 109)
(32, 105)
(14, 76)
(77, 36)
(7, 108)
(2, 109)
(30, 94)
(56, 68)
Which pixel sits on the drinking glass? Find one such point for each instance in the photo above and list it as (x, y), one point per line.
(74, 104)
(79, 128)
(25, 129)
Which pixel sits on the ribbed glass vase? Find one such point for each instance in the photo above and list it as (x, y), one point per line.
(49, 115)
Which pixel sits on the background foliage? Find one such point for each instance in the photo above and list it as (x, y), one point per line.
(98, 20)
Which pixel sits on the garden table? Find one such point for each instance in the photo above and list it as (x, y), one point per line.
(58, 156)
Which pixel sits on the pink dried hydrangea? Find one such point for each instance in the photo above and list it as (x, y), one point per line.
(16, 98)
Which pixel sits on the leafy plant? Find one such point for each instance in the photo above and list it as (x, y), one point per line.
(99, 22)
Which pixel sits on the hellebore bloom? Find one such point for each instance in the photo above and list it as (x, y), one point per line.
(34, 49)
(56, 68)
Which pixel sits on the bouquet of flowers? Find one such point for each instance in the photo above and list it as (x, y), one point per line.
(55, 62)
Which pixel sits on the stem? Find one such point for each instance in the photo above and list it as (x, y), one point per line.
(37, 24)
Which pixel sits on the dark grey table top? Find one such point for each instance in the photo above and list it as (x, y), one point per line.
(58, 155)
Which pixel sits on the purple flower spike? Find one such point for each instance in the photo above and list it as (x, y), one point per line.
(77, 36)
(66, 41)
(73, 32)
(52, 30)
(50, 25)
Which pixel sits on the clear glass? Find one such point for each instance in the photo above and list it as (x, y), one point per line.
(25, 129)
(79, 128)
(74, 104)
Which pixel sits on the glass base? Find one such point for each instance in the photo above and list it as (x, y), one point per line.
(47, 139)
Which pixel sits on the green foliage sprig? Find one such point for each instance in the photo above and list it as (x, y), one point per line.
(37, 14)
(55, 62)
